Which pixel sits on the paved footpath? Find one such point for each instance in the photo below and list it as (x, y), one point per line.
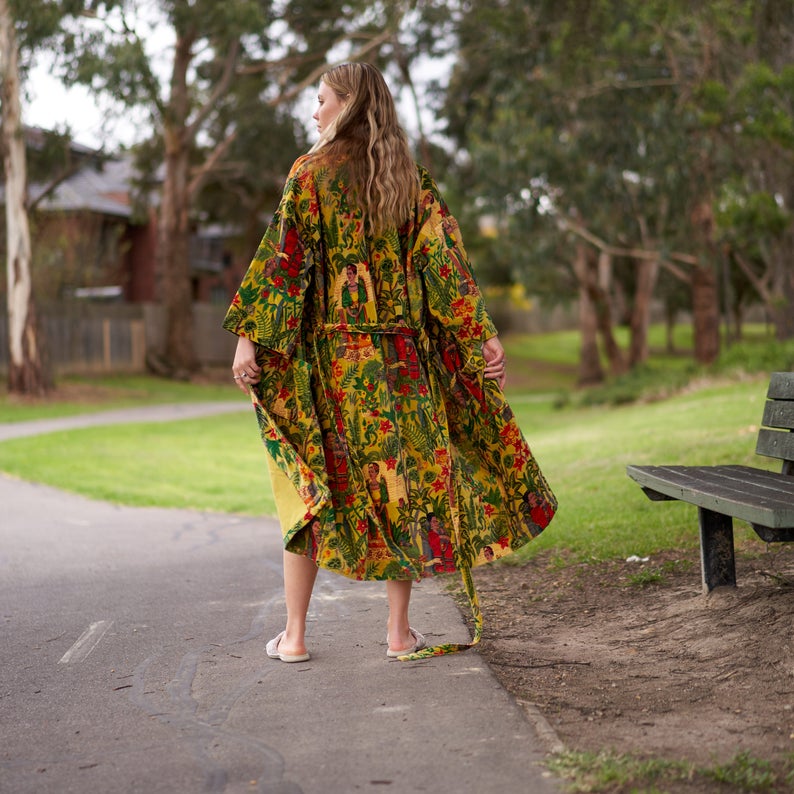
(132, 660)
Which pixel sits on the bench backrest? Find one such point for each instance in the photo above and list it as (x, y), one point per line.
(776, 439)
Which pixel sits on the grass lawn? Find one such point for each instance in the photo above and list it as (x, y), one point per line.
(218, 463)
(79, 395)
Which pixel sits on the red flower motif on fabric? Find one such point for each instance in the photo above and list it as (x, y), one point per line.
(290, 242)
(541, 515)
(510, 435)
(391, 463)
(439, 484)
(386, 426)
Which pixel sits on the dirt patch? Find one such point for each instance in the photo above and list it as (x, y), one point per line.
(632, 657)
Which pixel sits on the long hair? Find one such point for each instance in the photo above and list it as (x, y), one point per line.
(367, 134)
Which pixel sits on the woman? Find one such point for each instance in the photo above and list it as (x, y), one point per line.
(364, 342)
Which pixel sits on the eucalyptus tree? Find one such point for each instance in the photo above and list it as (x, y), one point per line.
(752, 116)
(585, 135)
(230, 65)
(26, 26)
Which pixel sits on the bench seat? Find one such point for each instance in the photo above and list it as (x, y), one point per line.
(757, 496)
(762, 498)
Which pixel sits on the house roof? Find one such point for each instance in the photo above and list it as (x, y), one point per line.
(97, 187)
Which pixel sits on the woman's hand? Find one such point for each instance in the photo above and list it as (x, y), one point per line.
(245, 368)
(494, 355)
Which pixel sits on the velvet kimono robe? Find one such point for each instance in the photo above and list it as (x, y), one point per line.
(392, 457)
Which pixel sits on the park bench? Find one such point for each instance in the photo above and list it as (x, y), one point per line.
(764, 499)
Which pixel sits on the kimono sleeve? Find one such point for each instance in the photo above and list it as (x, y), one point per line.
(453, 299)
(269, 304)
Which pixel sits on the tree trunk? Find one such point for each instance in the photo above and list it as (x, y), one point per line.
(705, 314)
(174, 256)
(647, 275)
(590, 370)
(27, 373)
(782, 307)
(601, 287)
(174, 222)
(669, 327)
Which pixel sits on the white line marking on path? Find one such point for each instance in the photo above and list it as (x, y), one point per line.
(89, 639)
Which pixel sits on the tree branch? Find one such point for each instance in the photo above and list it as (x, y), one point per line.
(32, 204)
(622, 85)
(209, 164)
(314, 75)
(761, 285)
(220, 89)
(570, 225)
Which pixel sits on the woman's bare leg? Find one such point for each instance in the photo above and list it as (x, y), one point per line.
(299, 575)
(398, 594)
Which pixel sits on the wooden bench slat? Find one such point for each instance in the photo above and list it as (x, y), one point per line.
(779, 413)
(781, 386)
(775, 444)
(752, 495)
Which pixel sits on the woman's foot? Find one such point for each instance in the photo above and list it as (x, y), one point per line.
(275, 651)
(413, 642)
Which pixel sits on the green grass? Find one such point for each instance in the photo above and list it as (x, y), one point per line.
(216, 463)
(77, 395)
(584, 452)
(619, 772)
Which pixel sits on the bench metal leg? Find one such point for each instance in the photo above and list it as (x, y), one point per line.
(716, 550)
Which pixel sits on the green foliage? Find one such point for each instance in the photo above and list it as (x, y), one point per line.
(744, 773)
(633, 118)
(610, 771)
(645, 577)
(769, 356)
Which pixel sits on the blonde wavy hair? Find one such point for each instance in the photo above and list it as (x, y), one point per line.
(368, 136)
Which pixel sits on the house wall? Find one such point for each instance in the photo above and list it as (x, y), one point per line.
(140, 261)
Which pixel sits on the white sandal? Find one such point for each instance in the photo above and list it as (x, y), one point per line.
(273, 652)
(417, 646)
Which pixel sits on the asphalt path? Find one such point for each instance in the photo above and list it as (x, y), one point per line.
(132, 660)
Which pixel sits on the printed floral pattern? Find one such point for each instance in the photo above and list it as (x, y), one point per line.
(372, 400)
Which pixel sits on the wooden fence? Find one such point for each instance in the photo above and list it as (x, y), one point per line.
(117, 338)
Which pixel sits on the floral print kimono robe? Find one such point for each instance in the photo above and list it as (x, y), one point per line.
(392, 457)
